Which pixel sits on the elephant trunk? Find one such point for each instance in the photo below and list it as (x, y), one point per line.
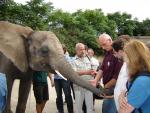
(66, 70)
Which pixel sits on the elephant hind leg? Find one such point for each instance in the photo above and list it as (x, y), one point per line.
(24, 89)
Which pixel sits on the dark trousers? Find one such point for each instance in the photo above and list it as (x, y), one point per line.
(61, 84)
(71, 84)
(84, 107)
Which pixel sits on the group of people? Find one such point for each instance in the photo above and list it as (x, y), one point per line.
(124, 72)
(132, 81)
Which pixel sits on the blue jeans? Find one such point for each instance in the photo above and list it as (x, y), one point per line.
(61, 84)
(3, 92)
(109, 106)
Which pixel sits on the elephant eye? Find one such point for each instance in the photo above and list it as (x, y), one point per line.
(29, 41)
(44, 51)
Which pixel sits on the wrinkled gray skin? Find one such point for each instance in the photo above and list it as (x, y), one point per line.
(22, 51)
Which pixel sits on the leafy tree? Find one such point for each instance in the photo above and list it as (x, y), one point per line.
(138, 30)
(124, 23)
(91, 23)
(71, 28)
(146, 27)
(63, 24)
(34, 14)
(81, 26)
(142, 28)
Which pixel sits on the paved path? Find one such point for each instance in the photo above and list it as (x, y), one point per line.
(50, 106)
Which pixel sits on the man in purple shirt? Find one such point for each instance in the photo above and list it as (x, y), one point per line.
(109, 72)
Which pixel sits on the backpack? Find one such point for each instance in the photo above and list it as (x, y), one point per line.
(131, 83)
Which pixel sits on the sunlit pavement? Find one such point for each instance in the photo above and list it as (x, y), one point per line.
(50, 105)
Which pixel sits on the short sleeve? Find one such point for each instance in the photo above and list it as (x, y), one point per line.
(139, 92)
(73, 64)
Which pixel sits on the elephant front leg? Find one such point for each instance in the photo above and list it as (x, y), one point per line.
(24, 90)
(10, 82)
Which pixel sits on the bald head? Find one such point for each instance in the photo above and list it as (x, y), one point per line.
(105, 42)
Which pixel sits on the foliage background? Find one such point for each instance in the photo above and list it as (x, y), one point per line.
(70, 28)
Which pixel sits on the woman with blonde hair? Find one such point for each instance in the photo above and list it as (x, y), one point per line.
(137, 97)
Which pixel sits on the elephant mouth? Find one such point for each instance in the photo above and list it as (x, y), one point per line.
(42, 67)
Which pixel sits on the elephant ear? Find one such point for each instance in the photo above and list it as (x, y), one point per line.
(12, 43)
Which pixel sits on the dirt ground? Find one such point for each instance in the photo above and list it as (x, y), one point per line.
(50, 105)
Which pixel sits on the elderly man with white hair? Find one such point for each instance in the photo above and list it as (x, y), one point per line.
(108, 72)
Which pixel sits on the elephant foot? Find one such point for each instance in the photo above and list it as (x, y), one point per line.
(7, 111)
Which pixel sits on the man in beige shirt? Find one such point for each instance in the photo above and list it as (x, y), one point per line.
(82, 66)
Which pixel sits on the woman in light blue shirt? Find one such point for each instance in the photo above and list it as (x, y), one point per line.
(139, 94)
(137, 98)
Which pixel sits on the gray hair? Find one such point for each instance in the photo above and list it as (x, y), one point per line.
(79, 45)
(104, 35)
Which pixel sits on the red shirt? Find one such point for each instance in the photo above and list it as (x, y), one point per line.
(111, 67)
